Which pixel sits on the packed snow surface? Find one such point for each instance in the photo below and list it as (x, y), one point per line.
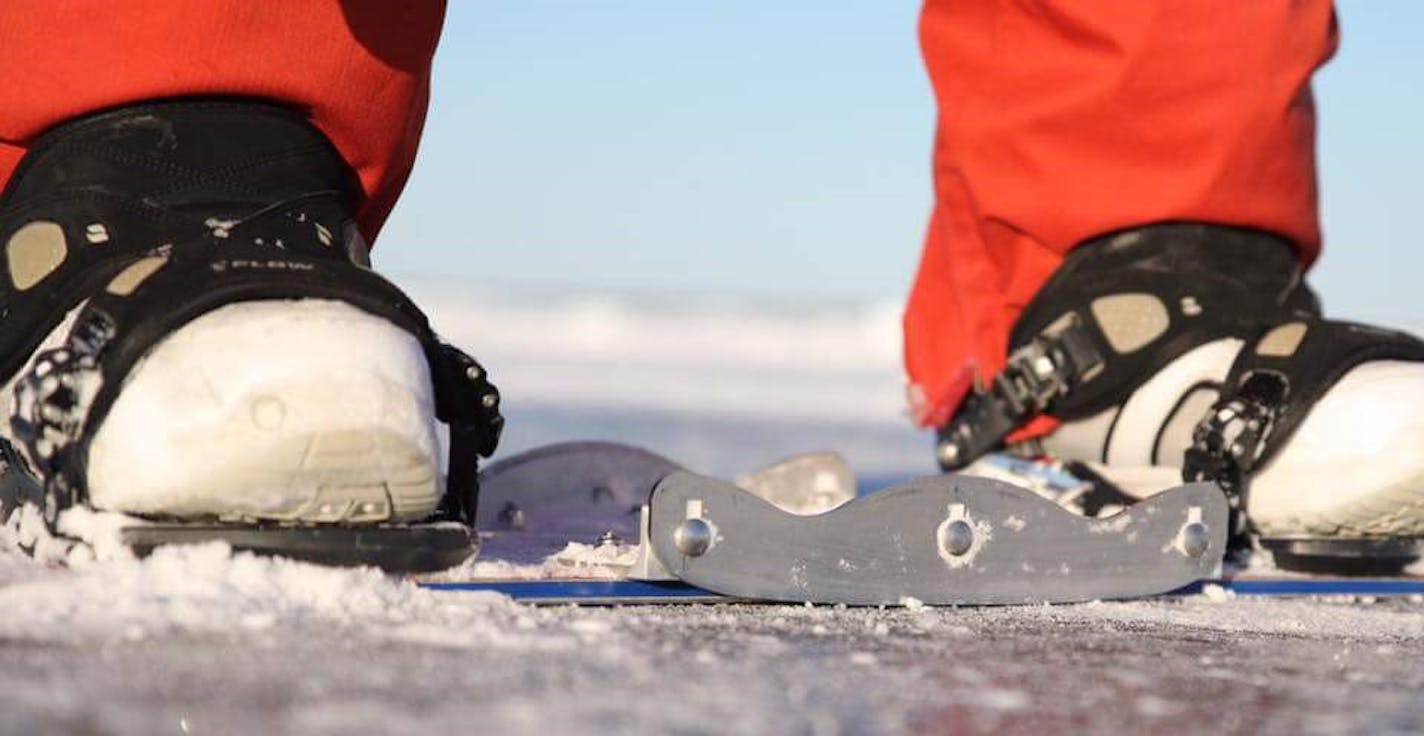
(199, 640)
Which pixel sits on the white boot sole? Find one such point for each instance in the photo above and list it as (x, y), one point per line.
(297, 411)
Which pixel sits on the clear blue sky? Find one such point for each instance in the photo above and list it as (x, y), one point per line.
(781, 148)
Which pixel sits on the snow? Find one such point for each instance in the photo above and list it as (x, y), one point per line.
(636, 351)
(576, 560)
(1217, 594)
(199, 640)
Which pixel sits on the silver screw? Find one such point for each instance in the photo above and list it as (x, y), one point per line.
(1195, 539)
(512, 517)
(609, 539)
(693, 537)
(489, 400)
(474, 373)
(948, 453)
(958, 537)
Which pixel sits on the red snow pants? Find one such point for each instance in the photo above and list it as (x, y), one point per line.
(360, 69)
(1059, 120)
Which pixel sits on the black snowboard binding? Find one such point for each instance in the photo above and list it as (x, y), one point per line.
(1200, 350)
(125, 227)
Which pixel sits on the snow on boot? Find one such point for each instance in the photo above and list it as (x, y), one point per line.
(192, 338)
(1194, 350)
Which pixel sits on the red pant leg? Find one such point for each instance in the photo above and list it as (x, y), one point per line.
(359, 68)
(1060, 120)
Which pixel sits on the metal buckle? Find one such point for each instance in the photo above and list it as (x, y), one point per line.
(469, 404)
(1035, 376)
(1227, 444)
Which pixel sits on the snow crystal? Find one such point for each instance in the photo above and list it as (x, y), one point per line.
(591, 626)
(1153, 706)
(999, 699)
(912, 604)
(592, 560)
(1217, 594)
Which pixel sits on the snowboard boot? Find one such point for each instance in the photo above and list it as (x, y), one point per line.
(1197, 351)
(192, 339)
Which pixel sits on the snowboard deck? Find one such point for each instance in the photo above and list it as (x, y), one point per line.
(802, 531)
(638, 592)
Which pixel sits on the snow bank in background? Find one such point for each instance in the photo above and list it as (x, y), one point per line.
(705, 355)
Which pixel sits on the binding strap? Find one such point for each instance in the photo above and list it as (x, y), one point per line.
(1037, 374)
(1273, 385)
(1118, 310)
(69, 391)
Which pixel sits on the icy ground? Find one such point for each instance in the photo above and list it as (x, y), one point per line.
(199, 641)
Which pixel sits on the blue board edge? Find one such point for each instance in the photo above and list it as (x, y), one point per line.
(586, 590)
(630, 591)
(1312, 586)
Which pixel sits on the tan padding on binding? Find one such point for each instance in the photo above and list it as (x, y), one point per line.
(34, 252)
(135, 274)
(1057, 326)
(1282, 341)
(1130, 321)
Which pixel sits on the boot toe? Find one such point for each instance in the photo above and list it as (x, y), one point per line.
(307, 411)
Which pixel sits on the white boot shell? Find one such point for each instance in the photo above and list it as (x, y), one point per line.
(296, 410)
(1353, 468)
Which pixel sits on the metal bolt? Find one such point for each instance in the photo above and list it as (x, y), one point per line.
(693, 537)
(96, 233)
(958, 537)
(512, 517)
(474, 373)
(489, 400)
(948, 453)
(609, 539)
(1195, 539)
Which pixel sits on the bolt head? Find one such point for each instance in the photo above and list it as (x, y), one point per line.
(1195, 539)
(512, 517)
(947, 453)
(474, 373)
(957, 538)
(693, 537)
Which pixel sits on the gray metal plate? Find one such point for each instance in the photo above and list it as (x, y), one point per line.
(575, 487)
(892, 545)
(534, 503)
